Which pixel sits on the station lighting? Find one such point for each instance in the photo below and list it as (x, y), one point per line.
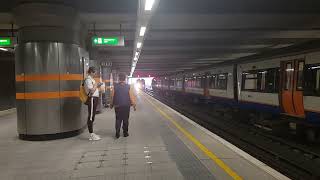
(139, 45)
(148, 5)
(3, 49)
(142, 30)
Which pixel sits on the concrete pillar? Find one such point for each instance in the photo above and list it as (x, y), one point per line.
(50, 66)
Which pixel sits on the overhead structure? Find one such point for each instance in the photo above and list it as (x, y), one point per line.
(146, 8)
(194, 34)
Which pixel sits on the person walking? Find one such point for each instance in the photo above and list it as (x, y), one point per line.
(91, 88)
(122, 98)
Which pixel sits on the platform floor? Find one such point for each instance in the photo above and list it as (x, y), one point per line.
(162, 145)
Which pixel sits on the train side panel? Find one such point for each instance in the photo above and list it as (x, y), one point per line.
(311, 97)
(258, 98)
(220, 85)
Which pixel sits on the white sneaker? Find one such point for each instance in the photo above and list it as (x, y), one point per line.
(94, 137)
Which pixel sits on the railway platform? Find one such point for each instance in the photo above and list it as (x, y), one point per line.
(163, 144)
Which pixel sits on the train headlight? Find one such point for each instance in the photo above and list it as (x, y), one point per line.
(137, 86)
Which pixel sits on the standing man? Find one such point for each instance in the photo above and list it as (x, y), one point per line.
(91, 88)
(122, 98)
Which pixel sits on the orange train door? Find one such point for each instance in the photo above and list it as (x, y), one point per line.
(291, 96)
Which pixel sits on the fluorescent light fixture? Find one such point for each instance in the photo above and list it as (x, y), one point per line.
(137, 53)
(148, 5)
(3, 49)
(142, 30)
(315, 67)
(139, 45)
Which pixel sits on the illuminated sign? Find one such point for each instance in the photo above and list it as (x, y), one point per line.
(6, 42)
(108, 41)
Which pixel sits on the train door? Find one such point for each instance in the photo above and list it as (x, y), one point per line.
(291, 95)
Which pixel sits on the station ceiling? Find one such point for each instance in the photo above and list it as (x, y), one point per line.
(188, 34)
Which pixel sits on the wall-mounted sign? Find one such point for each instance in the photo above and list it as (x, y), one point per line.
(106, 63)
(108, 41)
(6, 42)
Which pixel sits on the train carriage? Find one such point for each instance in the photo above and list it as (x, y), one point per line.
(220, 85)
(195, 83)
(258, 86)
(311, 94)
(287, 86)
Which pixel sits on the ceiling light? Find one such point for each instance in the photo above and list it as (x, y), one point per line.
(3, 49)
(135, 58)
(142, 30)
(148, 5)
(137, 53)
(139, 45)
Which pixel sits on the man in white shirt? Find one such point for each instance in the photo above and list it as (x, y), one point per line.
(91, 88)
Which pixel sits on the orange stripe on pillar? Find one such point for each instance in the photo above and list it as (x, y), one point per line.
(70, 77)
(19, 78)
(49, 77)
(47, 95)
(65, 94)
(20, 96)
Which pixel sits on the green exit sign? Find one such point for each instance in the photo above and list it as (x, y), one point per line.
(108, 41)
(5, 42)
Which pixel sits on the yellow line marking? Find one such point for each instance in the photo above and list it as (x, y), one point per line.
(202, 147)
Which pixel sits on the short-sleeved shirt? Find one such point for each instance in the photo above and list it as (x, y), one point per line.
(89, 83)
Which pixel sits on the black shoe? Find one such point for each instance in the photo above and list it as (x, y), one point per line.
(125, 134)
(117, 135)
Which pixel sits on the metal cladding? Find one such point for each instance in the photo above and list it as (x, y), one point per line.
(48, 76)
(50, 66)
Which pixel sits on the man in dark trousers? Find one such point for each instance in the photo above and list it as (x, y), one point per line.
(122, 98)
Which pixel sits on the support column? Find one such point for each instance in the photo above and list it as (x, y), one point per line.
(50, 66)
(106, 78)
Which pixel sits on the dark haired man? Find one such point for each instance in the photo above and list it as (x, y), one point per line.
(91, 88)
(122, 99)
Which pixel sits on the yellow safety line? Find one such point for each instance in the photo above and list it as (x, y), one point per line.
(202, 147)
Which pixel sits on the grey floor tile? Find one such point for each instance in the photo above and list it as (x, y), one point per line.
(152, 151)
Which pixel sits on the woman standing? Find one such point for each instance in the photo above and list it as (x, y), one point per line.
(91, 88)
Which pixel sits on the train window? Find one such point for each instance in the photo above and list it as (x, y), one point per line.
(272, 79)
(250, 81)
(288, 76)
(312, 80)
(222, 81)
(300, 75)
(262, 75)
(318, 81)
(212, 81)
(178, 83)
(199, 82)
(191, 82)
(261, 80)
(171, 82)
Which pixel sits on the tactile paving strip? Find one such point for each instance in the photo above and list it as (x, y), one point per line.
(173, 161)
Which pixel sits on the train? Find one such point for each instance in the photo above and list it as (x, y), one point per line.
(141, 83)
(282, 89)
